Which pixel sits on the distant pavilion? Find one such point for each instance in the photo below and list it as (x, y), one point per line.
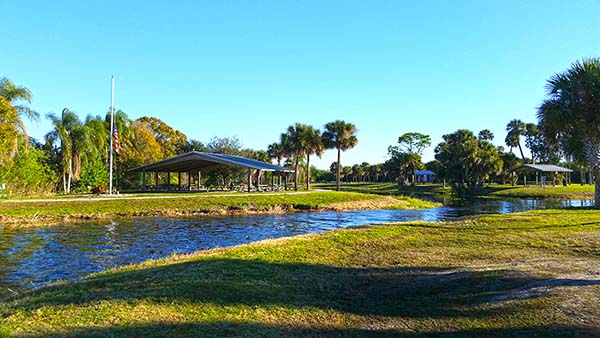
(541, 172)
(195, 162)
(424, 176)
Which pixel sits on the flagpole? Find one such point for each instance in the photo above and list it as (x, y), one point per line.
(112, 123)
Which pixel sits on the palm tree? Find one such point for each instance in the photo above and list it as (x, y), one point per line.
(9, 132)
(572, 110)
(275, 151)
(293, 145)
(339, 135)
(515, 129)
(312, 144)
(347, 173)
(99, 136)
(18, 97)
(75, 144)
(486, 135)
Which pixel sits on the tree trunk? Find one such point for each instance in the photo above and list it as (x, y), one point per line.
(296, 173)
(70, 175)
(521, 151)
(597, 188)
(69, 183)
(307, 172)
(337, 179)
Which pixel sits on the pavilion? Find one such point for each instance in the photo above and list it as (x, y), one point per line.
(194, 163)
(541, 170)
(424, 176)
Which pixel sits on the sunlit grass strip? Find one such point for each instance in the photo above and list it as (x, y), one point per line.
(520, 275)
(573, 191)
(192, 204)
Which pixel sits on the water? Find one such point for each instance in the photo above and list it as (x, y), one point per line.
(31, 257)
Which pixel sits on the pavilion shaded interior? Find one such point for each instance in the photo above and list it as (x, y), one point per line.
(195, 162)
(541, 170)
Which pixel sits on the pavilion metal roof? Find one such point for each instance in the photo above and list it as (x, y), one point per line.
(543, 168)
(196, 160)
(424, 172)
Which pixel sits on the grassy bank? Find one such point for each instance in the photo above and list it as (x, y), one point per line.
(574, 191)
(523, 275)
(30, 211)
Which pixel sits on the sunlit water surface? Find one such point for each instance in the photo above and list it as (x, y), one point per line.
(31, 257)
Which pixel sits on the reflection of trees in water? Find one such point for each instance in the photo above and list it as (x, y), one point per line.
(17, 246)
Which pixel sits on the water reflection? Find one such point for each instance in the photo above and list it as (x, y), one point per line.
(36, 256)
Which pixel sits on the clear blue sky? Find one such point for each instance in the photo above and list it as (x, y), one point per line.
(251, 68)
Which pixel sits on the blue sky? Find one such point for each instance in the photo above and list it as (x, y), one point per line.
(251, 68)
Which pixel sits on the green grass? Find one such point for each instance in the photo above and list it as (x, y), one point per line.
(188, 204)
(573, 191)
(532, 274)
(382, 188)
(389, 189)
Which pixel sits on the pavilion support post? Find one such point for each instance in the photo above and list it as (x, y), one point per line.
(179, 180)
(156, 181)
(249, 179)
(285, 177)
(273, 180)
(168, 181)
(525, 180)
(258, 172)
(199, 178)
(189, 175)
(536, 178)
(143, 180)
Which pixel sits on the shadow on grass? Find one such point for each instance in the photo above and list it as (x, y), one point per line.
(236, 329)
(422, 292)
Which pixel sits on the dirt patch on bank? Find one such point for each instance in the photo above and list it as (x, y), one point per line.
(370, 204)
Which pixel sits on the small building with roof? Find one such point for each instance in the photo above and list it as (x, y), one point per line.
(424, 176)
(194, 163)
(543, 173)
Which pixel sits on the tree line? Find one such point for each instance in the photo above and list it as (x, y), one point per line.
(567, 132)
(73, 155)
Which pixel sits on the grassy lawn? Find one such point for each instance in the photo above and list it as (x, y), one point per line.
(382, 188)
(389, 189)
(573, 191)
(534, 274)
(190, 204)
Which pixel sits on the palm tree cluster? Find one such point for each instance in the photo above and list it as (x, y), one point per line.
(300, 141)
(78, 143)
(570, 115)
(467, 161)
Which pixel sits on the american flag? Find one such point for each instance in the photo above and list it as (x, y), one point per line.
(116, 139)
